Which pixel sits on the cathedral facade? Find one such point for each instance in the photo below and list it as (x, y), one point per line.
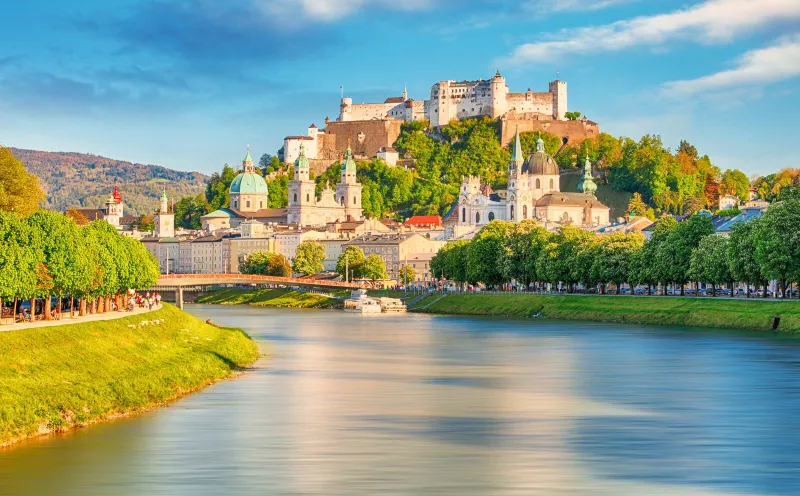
(306, 209)
(534, 192)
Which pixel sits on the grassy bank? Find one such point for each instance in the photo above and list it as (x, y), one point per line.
(675, 311)
(57, 378)
(269, 298)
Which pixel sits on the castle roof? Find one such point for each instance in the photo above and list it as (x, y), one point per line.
(394, 99)
(570, 200)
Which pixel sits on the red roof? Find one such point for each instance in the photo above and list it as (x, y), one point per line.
(424, 220)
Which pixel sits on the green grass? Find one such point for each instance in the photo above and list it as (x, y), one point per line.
(725, 313)
(270, 298)
(56, 378)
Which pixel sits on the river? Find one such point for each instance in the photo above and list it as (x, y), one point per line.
(416, 404)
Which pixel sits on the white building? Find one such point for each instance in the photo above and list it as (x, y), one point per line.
(463, 99)
(389, 155)
(534, 192)
(164, 220)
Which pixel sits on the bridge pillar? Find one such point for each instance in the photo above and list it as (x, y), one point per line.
(179, 297)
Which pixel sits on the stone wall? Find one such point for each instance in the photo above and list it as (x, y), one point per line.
(573, 131)
(366, 138)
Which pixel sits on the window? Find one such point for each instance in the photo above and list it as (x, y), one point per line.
(248, 203)
(524, 212)
(308, 198)
(551, 185)
(464, 214)
(538, 184)
(261, 204)
(295, 197)
(342, 201)
(512, 212)
(477, 217)
(491, 216)
(235, 204)
(354, 200)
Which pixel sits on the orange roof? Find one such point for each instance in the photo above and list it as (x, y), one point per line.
(424, 220)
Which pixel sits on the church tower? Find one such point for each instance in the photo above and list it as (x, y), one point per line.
(518, 185)
(302, 192)
(164, 219)
(587, 184)
(348, 191)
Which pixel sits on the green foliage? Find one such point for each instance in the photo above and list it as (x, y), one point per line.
(256, 263)
(407, 274)
(279, 266)
(189, 210)
(352, 259)
(528, 142)
(734, 182)
(777, 241)
(710, 261)
(19, 191)
(636, 206)
(450, 261)
(218, 188)
(614, 260)
(673, 256)
(522, 248)
(309, 257)
(486, 251)
(278, 191)
(742, 252)
(573, 116)
(374, 268)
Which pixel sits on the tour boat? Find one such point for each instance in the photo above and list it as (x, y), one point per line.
(359, 302)
(392, 305)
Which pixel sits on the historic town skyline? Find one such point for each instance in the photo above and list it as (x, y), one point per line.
(154, 82)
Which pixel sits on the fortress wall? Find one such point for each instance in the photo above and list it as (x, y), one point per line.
(366, 137)
(574, 131)
(368, 111)
(319, 166)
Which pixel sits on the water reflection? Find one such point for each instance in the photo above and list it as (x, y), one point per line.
(437, 405)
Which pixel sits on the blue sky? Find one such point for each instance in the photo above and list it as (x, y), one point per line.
(187, 84)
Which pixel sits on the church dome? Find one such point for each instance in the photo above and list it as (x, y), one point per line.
(540, 163)
(249, 183)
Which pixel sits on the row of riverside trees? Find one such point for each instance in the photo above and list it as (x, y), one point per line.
(46, 254)
(756, 252)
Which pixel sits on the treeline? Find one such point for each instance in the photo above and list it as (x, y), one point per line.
(757, 251)
(46, 254)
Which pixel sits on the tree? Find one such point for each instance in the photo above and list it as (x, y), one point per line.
(374, 268)
(643, 268)
(352, 259)
(257, 263)
(636, 206)
(709, 261)
(77, 217)
(742, 253)
(693, 204)
(522, 248)
(674, 254)
(189, 210)
(450, 261)
(485, 252)
(218, 188)
(557, 260)
(777, 241)
(309, 257)
(615, 256)
(734, 182)
(572, 116)
(19, 190)
(407, 274)
(17, 261)
(279, 266)
(145, 223)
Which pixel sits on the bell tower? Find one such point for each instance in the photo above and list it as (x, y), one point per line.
(348, 191)
(302, 192)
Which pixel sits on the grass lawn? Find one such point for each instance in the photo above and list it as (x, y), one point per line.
(269, 298)
(684, 311)
(56, 378)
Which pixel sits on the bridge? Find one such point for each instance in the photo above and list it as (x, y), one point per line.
(178, 282)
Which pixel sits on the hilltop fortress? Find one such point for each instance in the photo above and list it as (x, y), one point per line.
(372, 128)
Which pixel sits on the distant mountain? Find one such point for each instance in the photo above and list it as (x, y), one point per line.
(83, 180)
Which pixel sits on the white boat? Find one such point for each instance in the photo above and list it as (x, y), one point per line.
(359, 302)
(392, 305)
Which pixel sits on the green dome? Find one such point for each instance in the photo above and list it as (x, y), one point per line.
(587, 184)
(249, 183)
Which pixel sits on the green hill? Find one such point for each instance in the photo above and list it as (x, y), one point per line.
(84, 180)
(617, 201)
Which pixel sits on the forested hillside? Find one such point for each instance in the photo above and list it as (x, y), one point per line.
(79, 179)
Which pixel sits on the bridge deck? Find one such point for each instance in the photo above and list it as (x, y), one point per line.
(183, 280)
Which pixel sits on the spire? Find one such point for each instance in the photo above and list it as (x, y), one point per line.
(405, 92)
(248, 161)
(540, 144)
(587, 185)
(164, 194)
(349, 162)
(516, 152)
(302, 162)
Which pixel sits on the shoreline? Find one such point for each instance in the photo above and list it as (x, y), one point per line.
(60, 379)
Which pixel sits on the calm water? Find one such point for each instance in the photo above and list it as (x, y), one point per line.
(373, 405)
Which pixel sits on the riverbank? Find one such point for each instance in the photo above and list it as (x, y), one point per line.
(283, 298)
(57, 378)
(750, 315)
(67, 319)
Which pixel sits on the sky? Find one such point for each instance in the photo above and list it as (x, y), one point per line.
(188, 84)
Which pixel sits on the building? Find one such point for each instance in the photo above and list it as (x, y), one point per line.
(164, 220)
(534, 192)
(211, 255)
(286, 242)
(113, 213)
(460, 100)
(424, 222)
(248, 200)
(727, 202)
(396, 250)
(389, 155)
(306, 209)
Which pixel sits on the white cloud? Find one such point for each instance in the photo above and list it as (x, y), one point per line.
(712, 21)
(333, 10)
(549, 6)
(754, 68)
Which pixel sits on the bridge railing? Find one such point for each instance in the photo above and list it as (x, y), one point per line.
(165, 280)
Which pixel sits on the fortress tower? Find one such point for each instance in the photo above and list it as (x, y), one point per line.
(559, 91)
(164, 219)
